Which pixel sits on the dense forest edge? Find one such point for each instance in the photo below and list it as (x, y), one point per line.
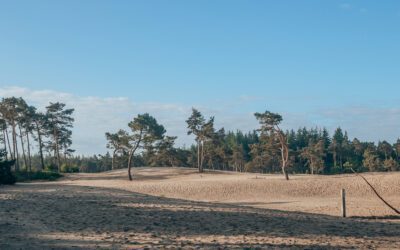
(38, 145)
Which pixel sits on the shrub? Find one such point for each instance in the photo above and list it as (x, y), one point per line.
(51, 168)
(40, 175)
(6, 176)
(371, 160)
(69, 169)
(391, 164)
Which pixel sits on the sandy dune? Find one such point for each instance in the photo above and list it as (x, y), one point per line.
(173, 207)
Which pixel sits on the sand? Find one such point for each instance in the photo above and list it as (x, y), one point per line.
(180, 208)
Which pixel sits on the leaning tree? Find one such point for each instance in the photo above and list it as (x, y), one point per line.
(270, 126)
(145, 131)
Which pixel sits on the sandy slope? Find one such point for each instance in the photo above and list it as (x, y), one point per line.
(166, 207)
(316, 194)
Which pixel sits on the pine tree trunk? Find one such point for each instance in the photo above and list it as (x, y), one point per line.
(113, 160)
(284, 155)
(29, 152)
(15, 146)
(58, 158)
(202, 157)
(130, 164)
(131, 155)
(5, 144)
(40, 146)
(8, 143)
(334, 159)
(65, 159)
(198, 156)
(284, 172)
(41, 152)
(56, 150)
(23, 147)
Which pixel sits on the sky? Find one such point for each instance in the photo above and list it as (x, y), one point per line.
(318, 63)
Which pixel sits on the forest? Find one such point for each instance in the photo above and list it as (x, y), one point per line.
(35, 141)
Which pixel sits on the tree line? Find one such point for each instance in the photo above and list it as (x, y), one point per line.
(28, 133)
(267, 149)
(42, 140)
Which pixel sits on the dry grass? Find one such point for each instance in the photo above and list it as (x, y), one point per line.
(165, 207)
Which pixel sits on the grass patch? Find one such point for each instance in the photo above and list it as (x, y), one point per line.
(39, 175)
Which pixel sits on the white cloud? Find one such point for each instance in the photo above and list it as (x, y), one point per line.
(96, 115)
(366, 123)
(93, 115)
(345, 6)
(350, 7)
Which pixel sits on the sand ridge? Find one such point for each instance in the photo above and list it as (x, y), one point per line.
(305, 193)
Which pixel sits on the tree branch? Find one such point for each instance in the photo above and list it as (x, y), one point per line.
(376, 193)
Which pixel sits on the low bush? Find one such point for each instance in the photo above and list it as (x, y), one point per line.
(51, 168)
(6, 176)
(69, 169)
(39, 175)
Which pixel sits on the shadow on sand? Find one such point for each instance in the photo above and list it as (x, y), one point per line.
(68, 209)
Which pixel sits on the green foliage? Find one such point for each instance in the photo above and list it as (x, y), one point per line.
(268, 120)
(52, 130)
(391, 165)
(69, 169)
(314, 153)
(348, 165)
(205, 135)
(371, 160)
(34, 134)
(195, 123)
(59, 124)
(146, 129)
(6, 176)
(23, 176)
(51, 168)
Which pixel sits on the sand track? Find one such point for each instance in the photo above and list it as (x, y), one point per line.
(181, 208)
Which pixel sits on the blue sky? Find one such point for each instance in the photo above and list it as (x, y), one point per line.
(317, 62)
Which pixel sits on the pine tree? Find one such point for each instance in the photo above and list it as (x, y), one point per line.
(59, 124)
(9, 111)
(40, 123)
(385, 149)
(203, 131)
(314, 153)
(270, 125)
(118, 142)
(371, 159)
(145, 132)
(391, 164)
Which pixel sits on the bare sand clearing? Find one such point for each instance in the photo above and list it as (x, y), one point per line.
(180, 208)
